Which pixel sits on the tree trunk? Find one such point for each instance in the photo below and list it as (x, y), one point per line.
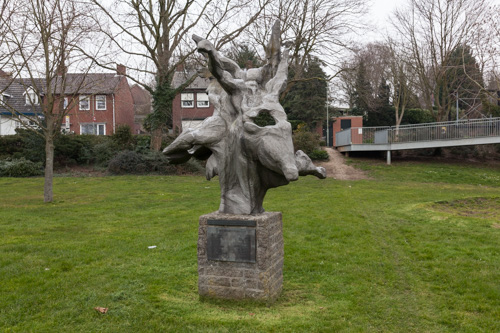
(399, 119)
(48, 195)
(156, 138)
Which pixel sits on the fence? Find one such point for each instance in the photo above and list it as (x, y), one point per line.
(449, 130)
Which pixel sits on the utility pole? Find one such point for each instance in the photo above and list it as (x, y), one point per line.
(457, 105)
(327, 119)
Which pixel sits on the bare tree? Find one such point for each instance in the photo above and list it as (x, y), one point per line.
(311, 28)
(372, 60)
(154, 34)
(485, 43)
(399, 75)
(41, 38)
(432, 30)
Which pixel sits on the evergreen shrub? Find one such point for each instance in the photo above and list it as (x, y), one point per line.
(104, 151)
(127, 162)
(74, 149)
(142, 143)
(318, 155)
(123, 137)
(305, 141)
(132, 162)
(33, 146)
(10, 145)
(20, 168)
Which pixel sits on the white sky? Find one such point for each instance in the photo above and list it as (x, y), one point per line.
(379, 17)
(382, 9)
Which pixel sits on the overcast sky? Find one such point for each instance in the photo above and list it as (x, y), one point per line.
(379, 17)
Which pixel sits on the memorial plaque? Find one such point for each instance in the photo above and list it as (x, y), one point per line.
(231, 241)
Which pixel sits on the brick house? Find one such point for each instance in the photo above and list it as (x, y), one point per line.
(142, 107)
(192, 106)
(19, 97)
(98, 102)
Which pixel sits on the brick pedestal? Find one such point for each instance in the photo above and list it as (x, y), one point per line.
(240, 256)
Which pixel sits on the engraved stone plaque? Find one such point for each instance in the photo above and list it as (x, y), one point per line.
(231, 241)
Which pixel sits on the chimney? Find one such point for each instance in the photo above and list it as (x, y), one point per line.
(121, 69)
(180, 68)
(5, 74)
(61, 69)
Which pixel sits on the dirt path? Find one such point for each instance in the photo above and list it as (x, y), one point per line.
(336, 167)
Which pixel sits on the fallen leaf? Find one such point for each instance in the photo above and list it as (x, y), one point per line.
(101, 310)
(252, 314)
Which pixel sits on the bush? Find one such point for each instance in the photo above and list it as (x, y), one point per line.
(10, 145)
(305, 141)
(295, 123)
(33, 146)
(73, 149)
(142, 143)
(135, 163)
(157, 162)
(123, 137)
(318, 155)
(191, 167)
(104, 151)
(417, 116)
(127, 162)
(131, 162)
(20, 168)
(264, 119)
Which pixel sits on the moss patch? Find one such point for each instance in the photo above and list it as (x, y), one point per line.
(480, 207)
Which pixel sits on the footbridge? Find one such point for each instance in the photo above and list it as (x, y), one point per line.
(430, 135)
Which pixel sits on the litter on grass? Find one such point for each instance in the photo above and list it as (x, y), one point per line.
(100, 309)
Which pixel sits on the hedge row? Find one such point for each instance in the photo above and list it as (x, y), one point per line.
(20, 168)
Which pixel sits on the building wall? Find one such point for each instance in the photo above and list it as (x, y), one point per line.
(121, 102)
(91, 116)
(124, 104)
(8, 125)
(180, 114)
(356, 121)
(142, 107)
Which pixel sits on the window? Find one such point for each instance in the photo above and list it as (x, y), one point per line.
(65, 103)
(93, 128)
(187, 100)
(84, 103)
(65, 127)
(4, 98)
(202, 100)
(100, 102)
(31, 97)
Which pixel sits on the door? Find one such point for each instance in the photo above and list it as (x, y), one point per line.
(345, 124)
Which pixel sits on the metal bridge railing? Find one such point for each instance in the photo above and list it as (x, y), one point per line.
(448, 130)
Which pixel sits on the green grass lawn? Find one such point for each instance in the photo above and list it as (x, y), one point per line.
(415, 249)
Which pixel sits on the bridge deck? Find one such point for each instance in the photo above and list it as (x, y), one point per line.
(430, 135)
